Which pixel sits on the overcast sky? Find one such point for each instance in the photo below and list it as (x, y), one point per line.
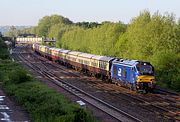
(28, 12)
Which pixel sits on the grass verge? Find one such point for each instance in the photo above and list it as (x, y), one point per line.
(42, 103)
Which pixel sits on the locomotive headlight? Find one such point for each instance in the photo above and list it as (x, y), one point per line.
(138, 80)
(152, 79)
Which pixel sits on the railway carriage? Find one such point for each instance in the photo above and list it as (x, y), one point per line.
(36, 48)
(62, 56)
(105, 63)
(43, 50)
(84, 60)
(71, 58)
(55, 53)
(50, 53)
(47, 54)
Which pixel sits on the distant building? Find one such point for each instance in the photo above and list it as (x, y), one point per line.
(28, 40)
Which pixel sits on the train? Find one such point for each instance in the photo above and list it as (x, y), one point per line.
(134, 74)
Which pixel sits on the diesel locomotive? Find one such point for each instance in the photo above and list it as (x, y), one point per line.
(135, 74)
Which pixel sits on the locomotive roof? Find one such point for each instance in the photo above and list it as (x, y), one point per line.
(127, 62)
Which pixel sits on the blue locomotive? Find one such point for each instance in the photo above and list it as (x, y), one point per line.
(138, 75)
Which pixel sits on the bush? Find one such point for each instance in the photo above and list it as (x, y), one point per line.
(175, 83)
(167, 65)
(3, 50)
(45, 104)
(19, 76)
(80, 115)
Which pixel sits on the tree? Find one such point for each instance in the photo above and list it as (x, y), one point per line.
(47, 22)
(13, 32)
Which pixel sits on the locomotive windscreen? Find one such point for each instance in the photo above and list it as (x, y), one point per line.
(145, 68)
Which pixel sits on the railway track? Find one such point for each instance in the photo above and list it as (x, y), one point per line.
(145, 102)
(167, 92)
(98, 103)
(152, 105)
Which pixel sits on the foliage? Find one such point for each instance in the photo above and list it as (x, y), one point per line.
(100, 40)
(7, 66)
(45, 104)
(3, 50)
(19, 76)
(47, 22)
(87, 24)
(15, 31)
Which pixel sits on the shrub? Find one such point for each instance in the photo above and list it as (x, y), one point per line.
(19, 76)
(3, 50)
(45, 104)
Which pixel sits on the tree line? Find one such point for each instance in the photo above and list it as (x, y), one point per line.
(150, 37)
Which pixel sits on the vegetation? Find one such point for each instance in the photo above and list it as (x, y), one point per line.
(154, 38)
(3, 50)
(14, 31)
(42, 103)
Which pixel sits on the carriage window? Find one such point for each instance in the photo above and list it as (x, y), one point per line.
(86, 62)
(80, 61)
(93, 63)
(103, 64)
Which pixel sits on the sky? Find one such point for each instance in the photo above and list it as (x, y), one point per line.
(28, 12)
